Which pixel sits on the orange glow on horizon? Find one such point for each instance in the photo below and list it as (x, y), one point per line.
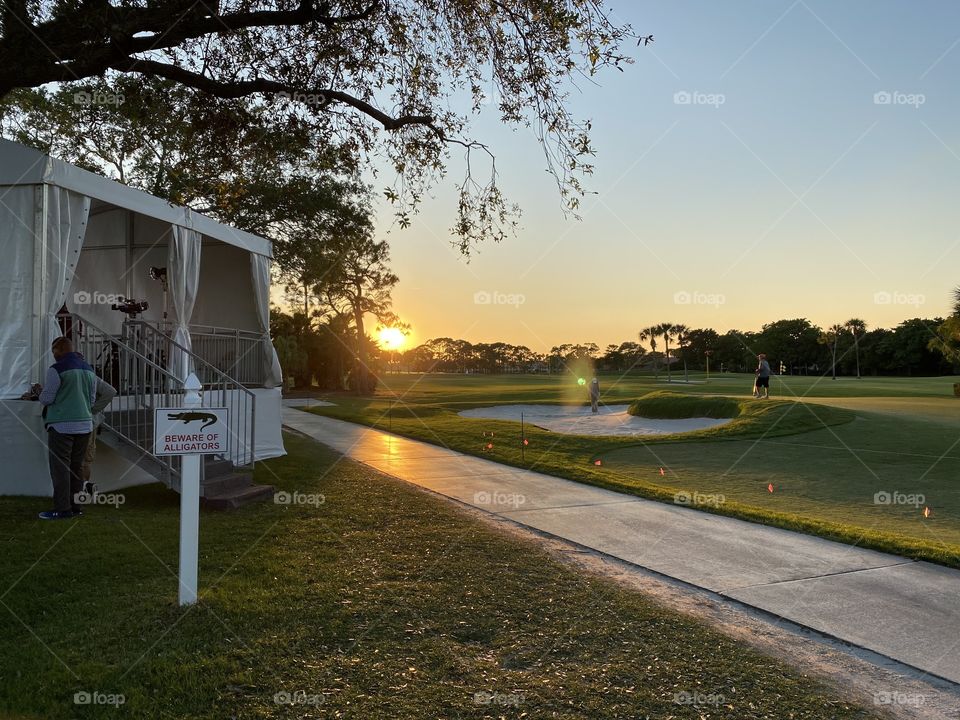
(392, 338)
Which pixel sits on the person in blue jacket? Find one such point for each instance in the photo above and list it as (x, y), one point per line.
(68, 394)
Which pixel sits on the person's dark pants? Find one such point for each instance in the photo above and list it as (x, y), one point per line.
(66, 454)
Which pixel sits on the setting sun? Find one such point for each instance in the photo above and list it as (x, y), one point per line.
(392, 338)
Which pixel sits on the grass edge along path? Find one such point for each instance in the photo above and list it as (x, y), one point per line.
(573, 457)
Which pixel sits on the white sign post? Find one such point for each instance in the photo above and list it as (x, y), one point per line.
(189, 507)
(190, 431)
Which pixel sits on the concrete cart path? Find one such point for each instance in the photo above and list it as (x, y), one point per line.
(905, 610)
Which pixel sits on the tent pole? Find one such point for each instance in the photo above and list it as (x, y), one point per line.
(129, 263)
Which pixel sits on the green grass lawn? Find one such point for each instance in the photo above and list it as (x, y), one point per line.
(378, 602)
(830, 449)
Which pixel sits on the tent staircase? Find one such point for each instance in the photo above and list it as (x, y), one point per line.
(136, 364)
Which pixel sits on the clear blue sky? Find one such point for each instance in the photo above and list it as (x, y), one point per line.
(800, 195)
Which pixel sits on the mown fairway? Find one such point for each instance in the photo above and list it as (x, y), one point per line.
(834, 458)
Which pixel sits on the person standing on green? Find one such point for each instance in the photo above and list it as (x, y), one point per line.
(763, 377)
(594, 396)
(68, 394)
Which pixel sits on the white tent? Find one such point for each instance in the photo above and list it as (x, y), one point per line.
(72, 238)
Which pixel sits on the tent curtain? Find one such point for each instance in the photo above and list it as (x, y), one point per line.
(16, 290)
(260, 267)
(183, 278)
(66, 219)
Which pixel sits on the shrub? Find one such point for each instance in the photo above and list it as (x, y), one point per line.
(665, 405)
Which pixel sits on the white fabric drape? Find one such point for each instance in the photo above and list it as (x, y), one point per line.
(183, 278)
(260, 268)
(66, 218)
(16, 290)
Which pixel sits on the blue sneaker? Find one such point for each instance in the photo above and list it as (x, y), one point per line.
(58, 514)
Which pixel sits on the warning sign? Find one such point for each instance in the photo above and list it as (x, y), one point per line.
(191, 431)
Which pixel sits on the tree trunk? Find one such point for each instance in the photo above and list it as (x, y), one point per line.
(666, 357)
(361, 381)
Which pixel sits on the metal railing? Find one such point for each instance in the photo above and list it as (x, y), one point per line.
(239, 353)
(142, 384)
(220, 389)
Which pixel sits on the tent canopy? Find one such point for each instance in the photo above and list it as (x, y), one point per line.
(73, 238)
(21, 165)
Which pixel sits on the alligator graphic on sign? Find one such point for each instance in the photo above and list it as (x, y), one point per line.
(189, 417)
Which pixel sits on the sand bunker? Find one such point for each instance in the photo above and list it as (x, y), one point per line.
(611, 420)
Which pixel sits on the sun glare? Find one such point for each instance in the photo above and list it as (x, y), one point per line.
(392, 338)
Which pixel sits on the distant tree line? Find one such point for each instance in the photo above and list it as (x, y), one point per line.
(918, 346)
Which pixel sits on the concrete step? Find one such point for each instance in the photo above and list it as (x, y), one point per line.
(221, 482)
(237, 498)
(215, 467)
(225, 483)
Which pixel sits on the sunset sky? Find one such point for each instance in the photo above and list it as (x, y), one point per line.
(814, 173)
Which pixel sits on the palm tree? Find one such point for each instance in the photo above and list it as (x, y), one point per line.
(948, 334)
(858, 327)
(952, 324)
(650, 333)
(681, 331)
(666, 331)
(830, 338)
